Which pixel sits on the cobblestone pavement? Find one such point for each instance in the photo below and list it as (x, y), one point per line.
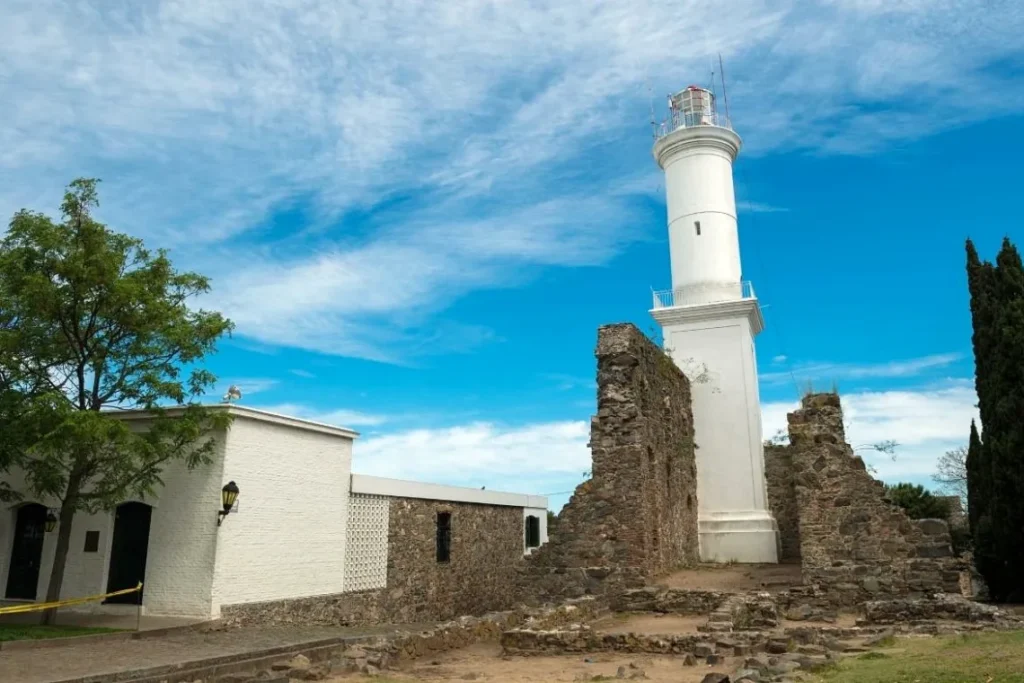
(46, 665)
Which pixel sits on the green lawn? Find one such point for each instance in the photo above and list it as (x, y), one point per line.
(30, 632)
(985, 658)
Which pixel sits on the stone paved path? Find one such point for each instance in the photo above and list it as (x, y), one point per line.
(106, 657)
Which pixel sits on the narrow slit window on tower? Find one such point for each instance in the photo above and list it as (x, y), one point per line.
(444, 536)
(696, 225)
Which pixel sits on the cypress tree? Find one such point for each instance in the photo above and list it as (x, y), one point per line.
(997, 464)
(976, 486)
(981, 284)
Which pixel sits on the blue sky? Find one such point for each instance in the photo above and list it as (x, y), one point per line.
(418, 215)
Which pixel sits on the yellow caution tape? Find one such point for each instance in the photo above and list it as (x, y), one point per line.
(40, 606)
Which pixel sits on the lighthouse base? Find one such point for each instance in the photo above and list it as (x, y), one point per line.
(750, 537)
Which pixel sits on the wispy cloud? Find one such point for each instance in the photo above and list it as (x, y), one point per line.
(564, 382)
(926, 422)
(206, 119)
(305, 374)
(840, 371)
(534, 458)
(338, 417)
(247, 385)
(758, 207)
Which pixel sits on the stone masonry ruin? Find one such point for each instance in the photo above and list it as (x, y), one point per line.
(853, 543)
(636, 517)
(635, 520)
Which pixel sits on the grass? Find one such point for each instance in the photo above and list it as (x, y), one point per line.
(985, 658)
(32, 632)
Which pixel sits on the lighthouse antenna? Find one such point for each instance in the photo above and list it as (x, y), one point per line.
(650, 96)
(725, 96)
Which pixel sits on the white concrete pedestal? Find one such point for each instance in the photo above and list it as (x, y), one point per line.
(745, 537)
(712, 342)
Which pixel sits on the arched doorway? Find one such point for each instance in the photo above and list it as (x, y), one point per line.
(26, 552)
(128, 550)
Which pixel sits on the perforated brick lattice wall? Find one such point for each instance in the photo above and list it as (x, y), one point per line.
(366, 550)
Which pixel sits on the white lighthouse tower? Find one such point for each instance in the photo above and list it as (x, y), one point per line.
(709, 320)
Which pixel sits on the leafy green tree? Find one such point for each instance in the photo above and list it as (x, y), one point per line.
(92, 323)
(995, 486)
(917, 502)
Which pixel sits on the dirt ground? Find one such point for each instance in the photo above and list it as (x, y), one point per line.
(651, 624)
(735, 578)
(484, 663)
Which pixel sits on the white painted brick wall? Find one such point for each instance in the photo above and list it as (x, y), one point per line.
(182, 544)
(366, 547)
(183, 540)
(287, 539)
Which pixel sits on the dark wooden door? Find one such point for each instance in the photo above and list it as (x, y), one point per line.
(128, 550)
(27, 552)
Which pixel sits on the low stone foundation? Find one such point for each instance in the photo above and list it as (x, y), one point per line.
(947, 607)
(667, 600)
(526, 642)
(363, 608)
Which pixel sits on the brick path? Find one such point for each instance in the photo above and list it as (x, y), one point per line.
(108, 657)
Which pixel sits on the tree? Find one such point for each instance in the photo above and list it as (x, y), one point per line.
(917, 502)
(951, 471)
(92, 323)
(996, 456)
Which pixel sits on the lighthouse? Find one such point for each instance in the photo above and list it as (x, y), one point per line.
(709, 320)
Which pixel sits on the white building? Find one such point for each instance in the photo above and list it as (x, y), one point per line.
(302, 525)
(709, 320)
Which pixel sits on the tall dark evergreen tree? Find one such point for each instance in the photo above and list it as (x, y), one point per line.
(996, 457)
(976, 484)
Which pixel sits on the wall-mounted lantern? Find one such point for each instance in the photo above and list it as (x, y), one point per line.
(51, 521)
(228, 496)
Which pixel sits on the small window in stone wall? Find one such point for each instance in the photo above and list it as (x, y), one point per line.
(532, 531)
(444, 536)
(92, 542)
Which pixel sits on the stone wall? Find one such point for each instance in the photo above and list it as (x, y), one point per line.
(778, 473)
(852, 541)
(481, 575)
(637, 515)
(486, 546)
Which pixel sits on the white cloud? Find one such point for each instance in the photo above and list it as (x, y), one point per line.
(759, 207)
(247, 385)
(206, 118)
(564, 382)
(337, 417)
(534, 458)
(925, 422)
(839, 371)
(779, 359)
(305, 374)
